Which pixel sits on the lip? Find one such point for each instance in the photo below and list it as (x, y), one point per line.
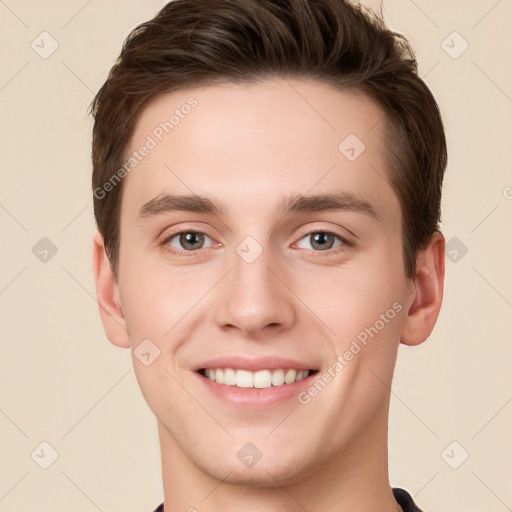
(253, 364)
(254, 398)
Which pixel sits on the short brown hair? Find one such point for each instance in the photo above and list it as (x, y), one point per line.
(191, 43)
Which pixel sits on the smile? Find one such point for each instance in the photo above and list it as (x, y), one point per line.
(260, 379)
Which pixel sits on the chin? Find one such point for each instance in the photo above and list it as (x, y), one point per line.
(268, 472)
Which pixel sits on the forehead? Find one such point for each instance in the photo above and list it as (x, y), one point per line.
(254, 142)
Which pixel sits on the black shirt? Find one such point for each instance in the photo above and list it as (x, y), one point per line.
(403, 498)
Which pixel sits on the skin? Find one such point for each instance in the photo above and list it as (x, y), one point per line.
(246, 146)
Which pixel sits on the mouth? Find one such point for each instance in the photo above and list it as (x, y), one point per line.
(254, 383)
(261, 379)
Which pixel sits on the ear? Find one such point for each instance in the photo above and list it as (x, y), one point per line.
(107, 294)
(427, 292)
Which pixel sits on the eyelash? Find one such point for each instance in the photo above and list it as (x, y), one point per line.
(177, 252)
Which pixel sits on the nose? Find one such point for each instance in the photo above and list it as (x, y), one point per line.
(255, 299)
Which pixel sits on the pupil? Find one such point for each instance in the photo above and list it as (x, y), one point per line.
(191, 239)
(320, 238)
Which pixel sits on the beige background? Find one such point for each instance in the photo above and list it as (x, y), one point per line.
(63, 383)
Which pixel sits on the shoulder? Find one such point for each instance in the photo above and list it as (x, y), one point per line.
(404, 499)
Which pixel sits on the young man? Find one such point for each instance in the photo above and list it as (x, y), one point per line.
(267, 185)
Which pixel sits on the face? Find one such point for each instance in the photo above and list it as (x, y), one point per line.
(283, 262)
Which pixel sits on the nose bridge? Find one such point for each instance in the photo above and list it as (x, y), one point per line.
(253, 296)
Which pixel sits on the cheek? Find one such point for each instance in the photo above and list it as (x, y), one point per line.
(363, 303)
(154, 312)
(162, 307)
(152, 298)
(148, 311)
(151, 303)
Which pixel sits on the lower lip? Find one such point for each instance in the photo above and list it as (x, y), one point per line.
(255, 398)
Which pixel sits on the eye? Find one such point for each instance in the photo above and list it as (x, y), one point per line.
(322, 241)
(185, 241)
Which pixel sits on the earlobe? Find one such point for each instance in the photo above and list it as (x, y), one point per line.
(427, 292)
(107, 294)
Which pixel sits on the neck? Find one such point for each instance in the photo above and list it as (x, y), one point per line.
(355, 479)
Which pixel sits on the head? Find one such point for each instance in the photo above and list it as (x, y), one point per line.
(245, 106)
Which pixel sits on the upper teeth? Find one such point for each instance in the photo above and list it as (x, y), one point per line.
(259, 379)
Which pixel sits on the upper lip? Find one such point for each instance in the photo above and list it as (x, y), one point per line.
(253, 364)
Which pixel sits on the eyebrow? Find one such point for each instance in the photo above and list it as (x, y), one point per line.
(187, 203)
(334, 201)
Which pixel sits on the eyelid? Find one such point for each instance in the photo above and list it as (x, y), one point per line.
(348, 239)
(345, 245)
(182, 232)
(169, 235)
(347, 242)
(171, 231)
